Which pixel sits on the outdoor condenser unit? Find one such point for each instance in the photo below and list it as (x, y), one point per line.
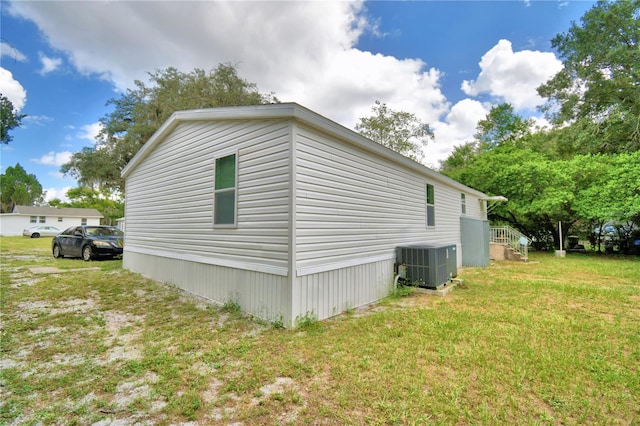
(428, 265)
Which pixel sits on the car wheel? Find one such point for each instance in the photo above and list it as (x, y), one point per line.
(35, 235)
(86, 253)
(56, 251)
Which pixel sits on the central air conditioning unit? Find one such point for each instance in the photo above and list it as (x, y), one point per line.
(428, 265)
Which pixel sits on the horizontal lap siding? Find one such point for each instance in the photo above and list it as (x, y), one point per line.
(353, 205)
(260, 294)
(475, 208)
(169, 205)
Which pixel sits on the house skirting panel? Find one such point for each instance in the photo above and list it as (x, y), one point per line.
(329, 293)
(261, 294)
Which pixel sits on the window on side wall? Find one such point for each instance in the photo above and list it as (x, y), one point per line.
(463, 203)
(225, 189)
(430, 208)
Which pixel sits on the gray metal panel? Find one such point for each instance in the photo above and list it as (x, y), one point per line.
(260, 294)
(475, 242)
(330, 293)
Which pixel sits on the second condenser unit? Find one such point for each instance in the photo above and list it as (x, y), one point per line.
(428, 265)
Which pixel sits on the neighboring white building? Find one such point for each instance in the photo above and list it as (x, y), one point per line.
(286, 212)
(23, 217)
(121, 223)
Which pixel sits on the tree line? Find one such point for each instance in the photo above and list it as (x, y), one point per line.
(583, 172)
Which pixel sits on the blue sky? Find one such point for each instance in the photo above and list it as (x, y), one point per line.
(447, 62)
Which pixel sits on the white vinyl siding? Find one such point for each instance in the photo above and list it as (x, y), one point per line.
(28, 216)
(474, 207)
(354, 207)
(169, 206)
(12, 224)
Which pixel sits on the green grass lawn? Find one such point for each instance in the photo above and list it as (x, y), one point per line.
(552, 341)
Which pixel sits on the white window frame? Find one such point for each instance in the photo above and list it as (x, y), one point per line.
(83, 221)
(221, 155)
(33, 219)
(42, 219)
(429, 219)
(463, 202)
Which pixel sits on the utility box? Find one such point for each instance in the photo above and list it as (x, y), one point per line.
(428, 265)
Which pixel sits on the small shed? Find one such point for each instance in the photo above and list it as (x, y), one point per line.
(284, 211)
(23, 217)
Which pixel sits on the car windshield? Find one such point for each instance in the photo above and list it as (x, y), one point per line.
(100, 230)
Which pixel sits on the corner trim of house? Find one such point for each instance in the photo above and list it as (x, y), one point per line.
(248, 266)
(308, 270)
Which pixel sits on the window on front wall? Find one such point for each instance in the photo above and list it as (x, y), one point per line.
(430, 208)
(463, 203)
(83, 221)
(33, 219)
(60, 219)
(225, 188)
(43, 219)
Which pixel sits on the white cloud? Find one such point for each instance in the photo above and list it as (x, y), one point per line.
(59, 193)
(90, 131)
(284, 47)
(11, 53)
(513, 76)
(38, 120)
(48, 64)
(281, 46)
(458, 127)
(54, 158)
(12, 89)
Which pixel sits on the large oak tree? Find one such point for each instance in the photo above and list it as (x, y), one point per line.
(139, 112)
(599, 84)
(17, 187)
(584, 171)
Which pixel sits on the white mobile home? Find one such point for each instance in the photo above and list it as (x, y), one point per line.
(284, 211)
(23, 217)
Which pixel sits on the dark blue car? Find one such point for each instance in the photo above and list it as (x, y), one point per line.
(88, 242)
